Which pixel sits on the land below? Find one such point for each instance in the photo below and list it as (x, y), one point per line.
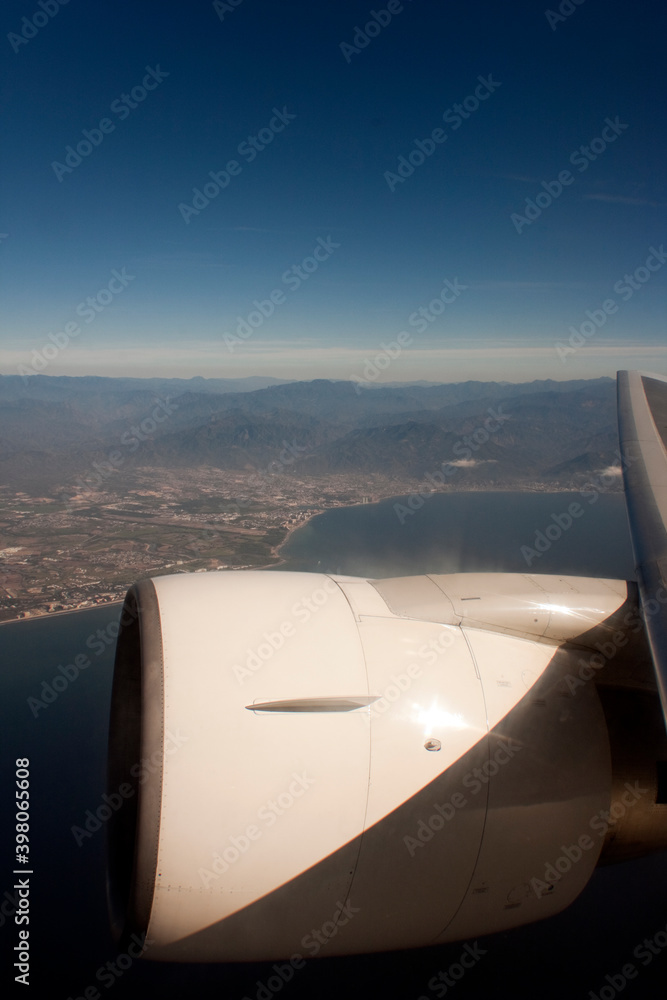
(106, 481)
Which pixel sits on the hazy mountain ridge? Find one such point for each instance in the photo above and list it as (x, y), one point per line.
(62, 387)
(235, 439)
(538, 430)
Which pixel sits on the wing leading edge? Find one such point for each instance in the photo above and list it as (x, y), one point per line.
(642, 428)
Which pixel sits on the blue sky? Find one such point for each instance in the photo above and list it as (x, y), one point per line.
(316, 119)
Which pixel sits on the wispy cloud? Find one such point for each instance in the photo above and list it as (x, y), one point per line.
(501, 286)
(324, 228)
(621, 199)
(524, 178)
(611, 470)
(187, 258)
(250, 229)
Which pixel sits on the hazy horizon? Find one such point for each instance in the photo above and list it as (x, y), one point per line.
(368, 384)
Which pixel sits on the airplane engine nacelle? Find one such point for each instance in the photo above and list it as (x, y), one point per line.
(322, 765)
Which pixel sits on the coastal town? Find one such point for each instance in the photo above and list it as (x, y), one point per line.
(71, 550)
(65, 552)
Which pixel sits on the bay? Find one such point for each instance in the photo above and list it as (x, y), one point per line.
(502, 532)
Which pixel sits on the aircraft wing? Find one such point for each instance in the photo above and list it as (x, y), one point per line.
(642, 426)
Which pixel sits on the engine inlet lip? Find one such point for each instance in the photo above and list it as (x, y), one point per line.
(136, 733)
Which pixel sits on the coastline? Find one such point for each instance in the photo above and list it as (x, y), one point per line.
(277, 550)
(424, 493)
(54, 614)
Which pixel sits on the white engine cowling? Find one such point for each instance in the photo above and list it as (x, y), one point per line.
(327, 765)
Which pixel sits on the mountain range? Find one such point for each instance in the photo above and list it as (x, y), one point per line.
(53, 428)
